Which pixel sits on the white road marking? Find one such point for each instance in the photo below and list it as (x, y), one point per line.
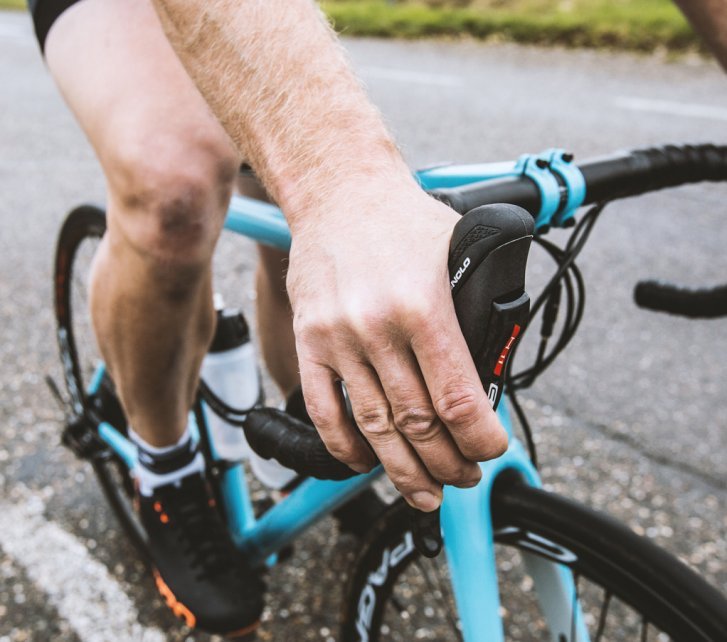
(418, 77)
(690, 110)
(81, 588)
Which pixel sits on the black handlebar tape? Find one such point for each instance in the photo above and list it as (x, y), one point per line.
(517, 190)
(273, 434)
(647, 170)
(696, 304)
(620, 175)
(487, 259)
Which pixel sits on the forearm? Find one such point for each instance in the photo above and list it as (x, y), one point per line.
(276, 77)
(709, 18)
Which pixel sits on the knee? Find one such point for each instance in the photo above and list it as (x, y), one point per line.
(169, 199)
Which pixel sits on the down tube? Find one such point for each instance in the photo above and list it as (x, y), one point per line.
(309, 502)
(469, 545)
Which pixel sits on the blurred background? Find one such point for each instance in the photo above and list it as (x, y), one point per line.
(630, 420)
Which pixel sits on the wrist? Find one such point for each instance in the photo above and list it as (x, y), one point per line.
(361, 190)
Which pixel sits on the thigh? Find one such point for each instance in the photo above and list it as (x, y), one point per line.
(130, 93)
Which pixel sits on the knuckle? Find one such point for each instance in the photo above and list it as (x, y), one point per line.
(497, 446)
(320, 413)
(343, 451)
(319, 416)
(405, 481)
(311, 327)
(380, 313)
(374, 422)
(490, 446)
(459, 406)
(363, 318)
(417, 423)
(460, 478)
(421, 311)
(416, 313)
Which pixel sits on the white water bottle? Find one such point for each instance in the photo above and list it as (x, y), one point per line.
(230, 370)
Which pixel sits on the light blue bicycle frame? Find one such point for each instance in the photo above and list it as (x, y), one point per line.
(465, 516)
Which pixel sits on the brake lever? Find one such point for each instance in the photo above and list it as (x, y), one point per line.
(488, 254)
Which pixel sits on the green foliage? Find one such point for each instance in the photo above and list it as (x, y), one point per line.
(13, 4)
(642, 25)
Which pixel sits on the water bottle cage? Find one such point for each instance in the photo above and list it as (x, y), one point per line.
(234, 416)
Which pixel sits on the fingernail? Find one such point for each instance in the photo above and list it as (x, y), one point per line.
(471, 483)
(425, 501)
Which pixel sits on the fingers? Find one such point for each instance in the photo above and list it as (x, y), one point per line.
(372, 413)
(414, 417)
(456, 392)
(326, 408)
(414, 391)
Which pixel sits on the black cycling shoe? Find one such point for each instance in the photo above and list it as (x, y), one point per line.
(197, 568)
(358, 514)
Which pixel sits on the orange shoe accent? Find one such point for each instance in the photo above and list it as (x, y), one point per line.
(158, 507)
(246, 630)
(173, 603)
(164, 518)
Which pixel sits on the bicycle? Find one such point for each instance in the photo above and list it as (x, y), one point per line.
(562, 572)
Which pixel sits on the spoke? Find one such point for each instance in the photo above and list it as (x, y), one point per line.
(444, 592)
(604, 614)
(644, 629)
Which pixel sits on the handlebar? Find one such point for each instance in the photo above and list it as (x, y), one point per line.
(607, 178)
(707, 303)
(487, 276)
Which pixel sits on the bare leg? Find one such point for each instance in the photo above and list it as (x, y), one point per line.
(274, 314)
(152, 333)
(170, 168)
(275, 320)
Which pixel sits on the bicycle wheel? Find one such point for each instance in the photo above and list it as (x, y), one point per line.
(77, 243)
(628, 588)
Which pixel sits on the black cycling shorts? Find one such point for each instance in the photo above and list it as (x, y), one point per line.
(44, 14)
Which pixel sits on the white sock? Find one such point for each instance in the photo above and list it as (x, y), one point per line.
(159, 466)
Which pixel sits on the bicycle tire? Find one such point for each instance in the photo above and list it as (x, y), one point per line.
(86, 224)
(637, 573)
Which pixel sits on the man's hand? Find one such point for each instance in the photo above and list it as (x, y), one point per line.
(368, 276)
(373, 308)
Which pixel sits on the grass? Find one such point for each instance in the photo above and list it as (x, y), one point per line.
(643, 25)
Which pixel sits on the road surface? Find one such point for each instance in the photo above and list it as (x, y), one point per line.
(631, 419)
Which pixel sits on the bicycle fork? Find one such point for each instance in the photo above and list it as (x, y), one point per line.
(469, 543)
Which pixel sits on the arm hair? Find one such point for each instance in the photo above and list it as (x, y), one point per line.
(277, 78)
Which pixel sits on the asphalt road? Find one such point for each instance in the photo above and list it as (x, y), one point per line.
(631, 419)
